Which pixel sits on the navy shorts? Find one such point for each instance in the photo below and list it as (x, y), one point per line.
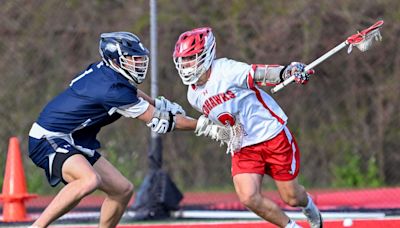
(51, 155)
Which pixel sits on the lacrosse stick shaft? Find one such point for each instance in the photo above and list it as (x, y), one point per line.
(310, 66)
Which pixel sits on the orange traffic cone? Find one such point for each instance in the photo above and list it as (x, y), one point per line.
(14, 186)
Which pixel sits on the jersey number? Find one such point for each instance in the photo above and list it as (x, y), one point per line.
(85, 73)
(226, 119)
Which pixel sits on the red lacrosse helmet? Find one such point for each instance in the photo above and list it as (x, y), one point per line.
(194, 53)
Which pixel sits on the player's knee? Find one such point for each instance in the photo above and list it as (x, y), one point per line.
(249, 199)
(91, 182)
(125, 190)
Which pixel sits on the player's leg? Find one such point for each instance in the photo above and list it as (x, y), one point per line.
(82, 180)
(248, 169)
(248, 189)
(118, 190)
(284, 168)
(295, 195)
(292, 193)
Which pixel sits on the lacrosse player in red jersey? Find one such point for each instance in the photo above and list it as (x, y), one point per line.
(238, 113)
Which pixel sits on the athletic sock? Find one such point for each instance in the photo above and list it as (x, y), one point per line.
(312, 213)
(310, 203)
(292, 224)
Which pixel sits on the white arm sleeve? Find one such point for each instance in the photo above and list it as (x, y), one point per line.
(267, 75)
(131, 111)
(243, 74)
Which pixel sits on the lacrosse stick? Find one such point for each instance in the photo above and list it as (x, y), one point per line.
(362, 40)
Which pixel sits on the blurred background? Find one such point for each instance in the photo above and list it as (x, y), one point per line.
(346, 119)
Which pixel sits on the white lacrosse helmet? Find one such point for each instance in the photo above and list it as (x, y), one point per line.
(194, 53)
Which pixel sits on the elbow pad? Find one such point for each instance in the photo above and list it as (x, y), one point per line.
(268, 75)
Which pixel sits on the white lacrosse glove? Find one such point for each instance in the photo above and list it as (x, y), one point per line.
(296, 69)
(203, 126)
(163, 104)
(209, 129)
(162, 121)
(232, 136)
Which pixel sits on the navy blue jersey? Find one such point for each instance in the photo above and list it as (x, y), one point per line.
(88, 104)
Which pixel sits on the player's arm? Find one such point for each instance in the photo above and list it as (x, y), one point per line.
(270, 75)
(145, 97)
(185, 122)
(165, 121)
(162, 103)
(141, 106)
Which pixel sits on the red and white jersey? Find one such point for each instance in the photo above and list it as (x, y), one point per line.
(231, 95)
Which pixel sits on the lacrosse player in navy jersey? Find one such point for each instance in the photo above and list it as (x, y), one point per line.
(63, 139)
(237, 112)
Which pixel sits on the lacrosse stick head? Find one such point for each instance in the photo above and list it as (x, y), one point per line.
(363, 40)
(232, 136)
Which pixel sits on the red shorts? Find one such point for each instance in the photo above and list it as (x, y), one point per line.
(278, 157)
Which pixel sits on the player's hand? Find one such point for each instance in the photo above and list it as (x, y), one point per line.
(209, 129)
(164, 104)
(162, 122)
(203, 126)
(296, 69)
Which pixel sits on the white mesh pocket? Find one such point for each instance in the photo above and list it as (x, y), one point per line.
(232, 136)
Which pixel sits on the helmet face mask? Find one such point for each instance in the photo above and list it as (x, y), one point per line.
(136, 66)
(193, 54)
(124, 53)
(189, 68)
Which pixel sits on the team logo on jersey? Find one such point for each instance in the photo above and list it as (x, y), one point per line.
(215, 100)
